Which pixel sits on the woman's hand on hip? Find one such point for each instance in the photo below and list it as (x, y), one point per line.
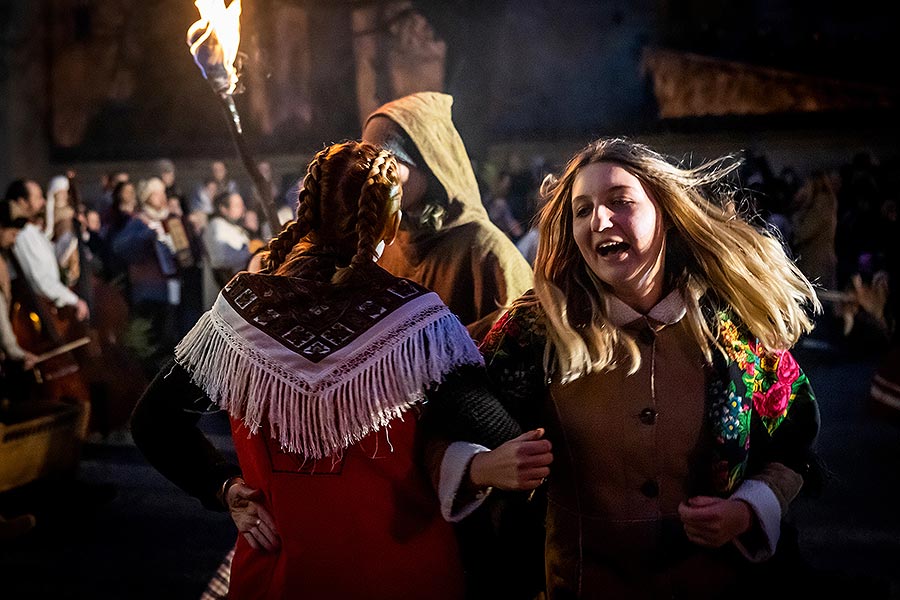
(252, 519)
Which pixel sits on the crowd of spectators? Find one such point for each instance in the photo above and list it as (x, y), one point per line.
(150, 250)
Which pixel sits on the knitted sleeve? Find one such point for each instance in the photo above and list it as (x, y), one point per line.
(463, 408)
(491, 405)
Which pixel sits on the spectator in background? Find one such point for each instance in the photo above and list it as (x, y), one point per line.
(254, 230)
(124, 205)
(499, 210)
(187, 243)
(57, 208)
(35, 252)
(521, 186)
(814, 222)
(264, 229)
(10, 350)
(226, 242)
(885, 389)
(147, 249)
(108, 183)
(528, 243)
(859, 203)
(767, 193)
(202, 200)
(219, 172)
(165, 170)
(92, 248)
(60, 229)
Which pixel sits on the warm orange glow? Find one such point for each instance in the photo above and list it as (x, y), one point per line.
(214, 39)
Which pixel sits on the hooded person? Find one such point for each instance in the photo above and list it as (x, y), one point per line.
(446, 242)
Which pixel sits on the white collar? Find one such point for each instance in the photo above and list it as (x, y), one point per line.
(669, 310)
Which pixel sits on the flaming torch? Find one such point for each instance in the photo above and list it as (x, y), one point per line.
(214, 39)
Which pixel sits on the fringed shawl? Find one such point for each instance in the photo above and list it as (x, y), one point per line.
(320, 369)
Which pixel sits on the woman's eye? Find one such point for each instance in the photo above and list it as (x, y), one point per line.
(582, 211)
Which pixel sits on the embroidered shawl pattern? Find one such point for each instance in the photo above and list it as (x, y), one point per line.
(752, 382)
(321, 369)
(751, 393)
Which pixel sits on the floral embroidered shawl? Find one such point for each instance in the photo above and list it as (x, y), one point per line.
(752, 394)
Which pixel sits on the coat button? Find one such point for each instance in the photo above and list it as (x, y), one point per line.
(650, 488)
(648, 416)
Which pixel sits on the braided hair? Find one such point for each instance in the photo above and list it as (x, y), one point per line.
(374, 206)
(348, 195)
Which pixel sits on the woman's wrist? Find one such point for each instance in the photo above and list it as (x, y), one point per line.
(474, 476)
(747, 519)
(223, 492)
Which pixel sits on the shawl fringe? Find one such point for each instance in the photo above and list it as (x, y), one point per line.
(323, 418)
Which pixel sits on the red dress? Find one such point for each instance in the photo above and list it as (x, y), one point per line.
(366, 525)
(308, 371)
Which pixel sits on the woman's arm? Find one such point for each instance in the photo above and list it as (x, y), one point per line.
(493, 404)
(471, 406)
(164, 427)
(782, 460)
(463, 408)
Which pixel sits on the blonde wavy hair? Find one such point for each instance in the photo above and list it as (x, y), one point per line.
(714, 256)
(348, 195)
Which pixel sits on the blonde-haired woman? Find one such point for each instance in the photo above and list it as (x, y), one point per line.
(654, 350)
(321, 361)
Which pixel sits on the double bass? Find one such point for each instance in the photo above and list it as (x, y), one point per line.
(45, 330)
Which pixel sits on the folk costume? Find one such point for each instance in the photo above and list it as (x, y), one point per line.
(629, 448)
(468, 261)
(322, 384)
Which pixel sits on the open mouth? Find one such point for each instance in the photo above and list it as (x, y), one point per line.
(611, 248)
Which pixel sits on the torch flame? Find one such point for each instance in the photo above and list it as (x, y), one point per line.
(214, 39)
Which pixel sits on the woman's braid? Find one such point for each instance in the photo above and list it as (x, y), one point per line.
(308, 198)
(374, 197)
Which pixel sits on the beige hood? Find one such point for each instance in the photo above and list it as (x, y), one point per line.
(426, 118)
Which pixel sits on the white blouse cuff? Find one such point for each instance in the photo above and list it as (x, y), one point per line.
(454, 468)
(759, 543)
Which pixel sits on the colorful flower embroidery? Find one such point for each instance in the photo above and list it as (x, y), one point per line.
(772, 403)
(776, 388)
(736, 347)
(513, 350)
(771, 379)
